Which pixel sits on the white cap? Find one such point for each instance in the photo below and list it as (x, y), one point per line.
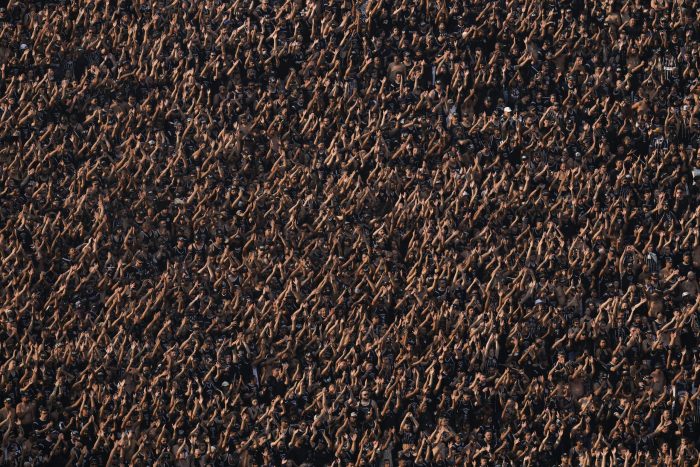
(23, 46)
(507, 110)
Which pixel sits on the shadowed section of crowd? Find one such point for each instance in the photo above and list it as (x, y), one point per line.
(345, 233)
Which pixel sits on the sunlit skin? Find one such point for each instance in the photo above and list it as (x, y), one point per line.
(294, 232)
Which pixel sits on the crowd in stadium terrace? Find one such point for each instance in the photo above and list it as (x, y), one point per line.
(349, 233)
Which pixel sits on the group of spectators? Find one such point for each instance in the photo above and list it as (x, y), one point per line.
(349, 233)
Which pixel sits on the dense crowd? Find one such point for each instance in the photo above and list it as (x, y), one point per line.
(346, 233)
